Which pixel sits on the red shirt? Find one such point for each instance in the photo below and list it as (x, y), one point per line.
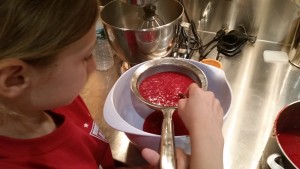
(76, 143)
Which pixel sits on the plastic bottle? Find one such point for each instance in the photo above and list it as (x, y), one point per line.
(104, 55)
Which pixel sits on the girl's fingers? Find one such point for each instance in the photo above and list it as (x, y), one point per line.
(183, 159)
(151, 156)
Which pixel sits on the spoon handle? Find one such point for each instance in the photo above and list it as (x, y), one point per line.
(167, 145)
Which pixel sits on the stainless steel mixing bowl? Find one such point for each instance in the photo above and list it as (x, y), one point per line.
(121, 22)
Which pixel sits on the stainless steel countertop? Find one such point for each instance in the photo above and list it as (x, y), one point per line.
(260, 91)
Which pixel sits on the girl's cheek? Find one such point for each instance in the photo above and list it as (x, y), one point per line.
(90, 66)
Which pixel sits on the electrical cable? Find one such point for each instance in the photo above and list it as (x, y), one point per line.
(187, 44)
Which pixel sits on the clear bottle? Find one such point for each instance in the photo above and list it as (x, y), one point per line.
(104, 55)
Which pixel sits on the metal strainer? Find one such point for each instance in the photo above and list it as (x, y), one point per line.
(167, 146)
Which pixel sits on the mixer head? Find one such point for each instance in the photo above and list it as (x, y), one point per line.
(140, 3)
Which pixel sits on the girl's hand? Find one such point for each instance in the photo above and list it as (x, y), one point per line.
(152, 157)
(202, 114)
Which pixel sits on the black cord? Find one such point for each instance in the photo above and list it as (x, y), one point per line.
(194, 43)
(218, 56)
(206, 53)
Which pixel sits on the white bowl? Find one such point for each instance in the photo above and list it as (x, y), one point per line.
(124, 112)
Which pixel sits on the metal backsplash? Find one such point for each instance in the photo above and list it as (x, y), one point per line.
(269, 20)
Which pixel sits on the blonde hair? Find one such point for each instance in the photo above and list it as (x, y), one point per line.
(37, 30)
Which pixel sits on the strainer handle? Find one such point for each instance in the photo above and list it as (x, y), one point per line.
(167, 145)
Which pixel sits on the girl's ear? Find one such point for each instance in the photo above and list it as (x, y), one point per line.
(13, 77)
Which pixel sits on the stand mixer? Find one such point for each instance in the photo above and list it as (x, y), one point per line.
(141, 30)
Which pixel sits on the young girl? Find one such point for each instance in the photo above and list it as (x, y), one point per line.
(45, 60)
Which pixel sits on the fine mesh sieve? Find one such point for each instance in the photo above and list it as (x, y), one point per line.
(153, 67)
